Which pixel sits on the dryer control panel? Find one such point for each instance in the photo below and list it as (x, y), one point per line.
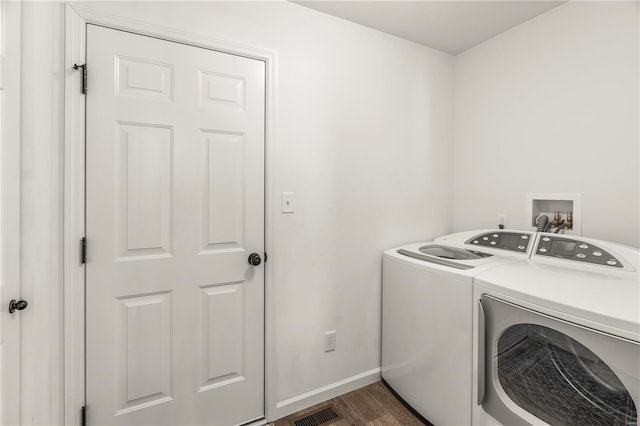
(581, 251)
(515, 241)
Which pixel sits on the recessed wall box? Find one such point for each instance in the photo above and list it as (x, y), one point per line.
(560, 208)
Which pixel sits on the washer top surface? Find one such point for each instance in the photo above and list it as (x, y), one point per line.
(416, 255)
(444, 257)
(601, 296)
(455, 255)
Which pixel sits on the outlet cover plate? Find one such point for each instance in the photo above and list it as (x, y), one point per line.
(330, 341)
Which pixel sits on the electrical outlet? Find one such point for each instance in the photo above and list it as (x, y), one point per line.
(330, 341)
(503, 220)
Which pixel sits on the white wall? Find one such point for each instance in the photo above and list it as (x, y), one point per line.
(364, 139)
(552, 106)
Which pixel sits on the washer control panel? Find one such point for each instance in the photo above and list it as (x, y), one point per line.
(581, 251)
(516, 241)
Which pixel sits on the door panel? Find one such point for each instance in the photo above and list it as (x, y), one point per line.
(223, 178)
(143, 339)
(223, 359)
(175, 204)
(144, 190)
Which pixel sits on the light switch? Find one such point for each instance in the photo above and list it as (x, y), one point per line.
(287, 202)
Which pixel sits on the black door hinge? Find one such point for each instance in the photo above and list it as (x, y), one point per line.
(83, 250)
(83, 416)
(265, 258)
(84, 76)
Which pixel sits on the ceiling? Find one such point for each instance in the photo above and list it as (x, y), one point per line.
(450, 26)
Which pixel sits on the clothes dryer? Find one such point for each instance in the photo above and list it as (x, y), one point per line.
(427, 305)
(558, 337)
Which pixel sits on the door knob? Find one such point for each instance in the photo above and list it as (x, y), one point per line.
(17, 305)
(254, 259)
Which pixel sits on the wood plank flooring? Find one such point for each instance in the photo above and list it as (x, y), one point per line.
(372, 405)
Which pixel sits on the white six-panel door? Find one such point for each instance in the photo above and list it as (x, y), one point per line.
(175, 205)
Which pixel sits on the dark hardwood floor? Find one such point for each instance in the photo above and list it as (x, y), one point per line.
(372, 405)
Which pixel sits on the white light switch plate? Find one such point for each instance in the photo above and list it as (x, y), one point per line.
(287, 202)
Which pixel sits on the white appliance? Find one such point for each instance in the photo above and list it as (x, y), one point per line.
(427, 321)
(558, 337)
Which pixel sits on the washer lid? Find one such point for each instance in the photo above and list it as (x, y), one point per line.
(448, 252)
(417, 255)
(453, 257)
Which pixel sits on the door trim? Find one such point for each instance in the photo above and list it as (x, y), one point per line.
(77, 18)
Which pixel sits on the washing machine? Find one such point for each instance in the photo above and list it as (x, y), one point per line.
(427, 321)
(557, 338)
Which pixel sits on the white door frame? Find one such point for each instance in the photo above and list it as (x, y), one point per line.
(77, 18)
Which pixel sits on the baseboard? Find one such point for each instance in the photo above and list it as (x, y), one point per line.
(316, 396)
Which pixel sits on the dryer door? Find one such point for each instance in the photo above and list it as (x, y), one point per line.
(541, 368)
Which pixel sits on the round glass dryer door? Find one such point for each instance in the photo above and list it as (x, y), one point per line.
(535, 368)
(559, 380)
